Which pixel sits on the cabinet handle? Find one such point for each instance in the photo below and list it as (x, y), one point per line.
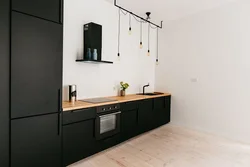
(60, 100)
(76, 111)
(59, 124)
(61, 11)
(59, 112)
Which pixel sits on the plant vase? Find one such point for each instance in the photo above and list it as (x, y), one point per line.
(123, 92)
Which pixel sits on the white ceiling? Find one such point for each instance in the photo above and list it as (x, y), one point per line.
(169, 9)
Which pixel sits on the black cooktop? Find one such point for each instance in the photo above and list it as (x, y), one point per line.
(98, 100)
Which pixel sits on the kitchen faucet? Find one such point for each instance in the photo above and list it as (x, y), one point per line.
(145, 87)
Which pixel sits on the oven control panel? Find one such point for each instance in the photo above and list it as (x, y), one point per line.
(107, 108)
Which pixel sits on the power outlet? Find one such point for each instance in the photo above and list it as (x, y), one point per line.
(194, 80)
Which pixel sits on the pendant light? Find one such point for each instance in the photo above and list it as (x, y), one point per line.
(119, 32)
(157, 49)
(148, 39)
(141, 21)
(141, 46)
(130, 29)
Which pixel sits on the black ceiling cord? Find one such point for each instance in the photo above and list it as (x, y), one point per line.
(130, 29)
(119, 31)
(140, 20)
(157, 45)
(148, 39)
(123, 12)
(135, 15)
(141, 35)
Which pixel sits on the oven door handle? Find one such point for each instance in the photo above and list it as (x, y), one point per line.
(116, 113)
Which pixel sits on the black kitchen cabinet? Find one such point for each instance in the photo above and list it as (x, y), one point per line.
(4, 85)
(145, 115)
(167, 114)
(36, 66)
(78, 115)
(36, 141)
(78, 141)
(129, 121)
(159, 111)
(162, 111)
(46, 9)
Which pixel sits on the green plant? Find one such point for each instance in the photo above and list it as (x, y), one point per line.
(124, 86)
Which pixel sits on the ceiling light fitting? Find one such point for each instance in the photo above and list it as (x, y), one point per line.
(148, 15)
(143, 19)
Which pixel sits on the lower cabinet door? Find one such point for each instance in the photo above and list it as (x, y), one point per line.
(145, 115)
(129, 121)
(159, 111)
(36, 142)
(162, 111)
(78, 141)
(167, 114)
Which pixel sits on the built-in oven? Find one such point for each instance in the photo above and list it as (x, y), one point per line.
(107, 121)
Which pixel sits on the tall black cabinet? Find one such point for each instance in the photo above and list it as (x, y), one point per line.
(4, 77)
(36, 66)
(36, 83)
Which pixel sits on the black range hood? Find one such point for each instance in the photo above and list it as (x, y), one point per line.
(95, 61)
(92, 44)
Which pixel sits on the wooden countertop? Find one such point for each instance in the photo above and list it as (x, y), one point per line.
(68, 106)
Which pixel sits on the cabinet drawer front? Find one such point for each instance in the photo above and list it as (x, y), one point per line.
(78, 115)
(129, 106)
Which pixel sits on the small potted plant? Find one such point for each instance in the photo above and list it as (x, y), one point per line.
(124, 86)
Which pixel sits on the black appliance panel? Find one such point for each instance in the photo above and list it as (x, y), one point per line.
(108, 121)
(92, 40)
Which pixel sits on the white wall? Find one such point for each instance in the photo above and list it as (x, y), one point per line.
(93, 80)
(205, 64)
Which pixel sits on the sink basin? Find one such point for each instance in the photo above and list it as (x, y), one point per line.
(151, 94)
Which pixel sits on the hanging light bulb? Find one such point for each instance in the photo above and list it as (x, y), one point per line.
(148, 52)
(157, 50)
(157, 62)
(130, 29)
(148, 39)
(118, 57)
(119, 34)
(141, 46)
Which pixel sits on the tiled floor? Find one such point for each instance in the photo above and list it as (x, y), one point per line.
(171, 146)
